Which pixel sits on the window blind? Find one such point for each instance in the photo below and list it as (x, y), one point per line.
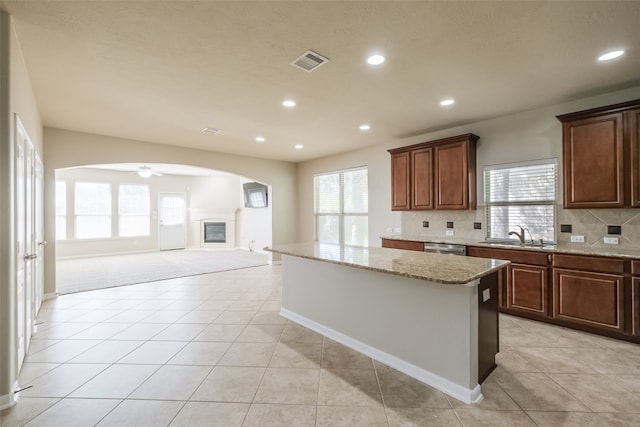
(522, 194)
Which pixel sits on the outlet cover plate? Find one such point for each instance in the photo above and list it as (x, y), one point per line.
(612, 240)
(449, 232)
(577, 239)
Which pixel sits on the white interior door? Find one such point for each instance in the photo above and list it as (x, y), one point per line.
(39, 236)
(21, 254)
(27, 210)
(172, 209)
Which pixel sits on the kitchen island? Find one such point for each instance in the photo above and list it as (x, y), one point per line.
(432, 316)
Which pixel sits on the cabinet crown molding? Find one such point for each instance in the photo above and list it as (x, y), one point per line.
(594, 112)
(464, 137)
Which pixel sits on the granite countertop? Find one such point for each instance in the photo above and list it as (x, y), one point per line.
(446, 269)
(547, 248)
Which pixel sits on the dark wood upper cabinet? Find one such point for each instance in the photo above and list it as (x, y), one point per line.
(595, 144)
(400, 182)
(632, 121)
(437, 174)
(422, 178)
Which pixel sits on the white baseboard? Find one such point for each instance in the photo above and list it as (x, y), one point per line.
(49, 295)
(8, 400)
(468, 396)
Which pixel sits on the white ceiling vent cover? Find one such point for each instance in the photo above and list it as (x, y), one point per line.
(309, 61)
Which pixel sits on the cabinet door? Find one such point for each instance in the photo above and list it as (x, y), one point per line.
(400, 182)
(635, 306)
(593, 162)
(632, 123)
(527, 288)
(451, 176)
(421, 173)
(592, 299)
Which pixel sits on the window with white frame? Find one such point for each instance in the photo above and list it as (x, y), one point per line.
(133, 210)
(521, 194)
(341, 207)
(61, 210)
(92, 210)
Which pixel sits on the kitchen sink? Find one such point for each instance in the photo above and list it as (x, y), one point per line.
(512, 242)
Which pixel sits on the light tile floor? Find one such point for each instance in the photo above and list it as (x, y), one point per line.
(212, 350)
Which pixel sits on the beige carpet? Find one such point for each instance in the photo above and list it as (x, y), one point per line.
(84, 274)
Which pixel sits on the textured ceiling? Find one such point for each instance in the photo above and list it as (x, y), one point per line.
(161, 71)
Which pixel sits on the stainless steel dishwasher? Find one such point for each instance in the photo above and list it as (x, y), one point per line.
(445, 248)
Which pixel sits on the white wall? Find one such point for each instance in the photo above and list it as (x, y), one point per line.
(16, 97)
(529, 135)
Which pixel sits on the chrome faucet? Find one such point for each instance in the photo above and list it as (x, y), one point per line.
(521, 234)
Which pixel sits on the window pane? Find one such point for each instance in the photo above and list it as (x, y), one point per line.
(356, 191)
(134, 225)
(521, 195)
(61, 227)
(93, 226)
(133, 199)
(93, 198)
(61, 198)
(328, 229)
(172, 210)
(327, 192)
(356, 230)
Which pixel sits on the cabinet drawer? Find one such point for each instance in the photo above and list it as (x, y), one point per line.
(589, 263)
(403, 244)
(513, 255)
(592, 299)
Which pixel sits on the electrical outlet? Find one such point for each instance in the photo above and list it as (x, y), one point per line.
(577, 239)
(486, 295)
(425, 224)
(389, 229)
(396, 230)
(612, 240)
(449, 232)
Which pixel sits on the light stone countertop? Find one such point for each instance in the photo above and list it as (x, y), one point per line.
(570, 249)
(446, 269)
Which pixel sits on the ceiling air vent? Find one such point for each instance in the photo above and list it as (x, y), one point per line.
(309, 61)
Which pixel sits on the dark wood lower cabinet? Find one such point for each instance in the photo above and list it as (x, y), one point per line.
(527, 289)
(595, 300)
(403, 244)
(635, 307)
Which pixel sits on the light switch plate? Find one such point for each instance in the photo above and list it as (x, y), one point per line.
(449, 232)
(389, 229)
(577, 239)
(612, 240)
(396, 230)
(486, 295)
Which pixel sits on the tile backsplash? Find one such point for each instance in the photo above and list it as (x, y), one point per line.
(590, 223)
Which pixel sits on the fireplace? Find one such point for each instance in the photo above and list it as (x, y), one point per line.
(215, 232)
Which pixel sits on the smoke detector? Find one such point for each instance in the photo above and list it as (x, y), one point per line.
(309, 61)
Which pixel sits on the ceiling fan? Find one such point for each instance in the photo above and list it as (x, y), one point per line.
(145, 172)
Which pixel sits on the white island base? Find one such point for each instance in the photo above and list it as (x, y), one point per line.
(424, 329)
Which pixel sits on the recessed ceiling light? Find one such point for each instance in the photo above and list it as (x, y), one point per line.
(299, 146)
(365, 127)
(611, 55)
(447, 102)
(376, 59)
(289, 103)
(210, 130)
(260, 138)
